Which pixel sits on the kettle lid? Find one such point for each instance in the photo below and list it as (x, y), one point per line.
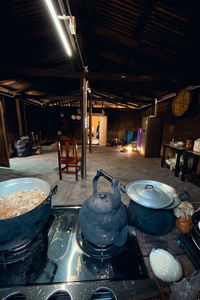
(101, 202)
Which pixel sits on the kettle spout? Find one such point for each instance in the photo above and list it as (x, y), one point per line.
(121, 238)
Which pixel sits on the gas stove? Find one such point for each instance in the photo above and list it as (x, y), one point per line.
(61, 264)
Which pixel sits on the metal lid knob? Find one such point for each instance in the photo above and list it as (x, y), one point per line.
(103, 195)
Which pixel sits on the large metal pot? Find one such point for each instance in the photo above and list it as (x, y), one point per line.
(103, 217)
(151, 205)
(20, 229)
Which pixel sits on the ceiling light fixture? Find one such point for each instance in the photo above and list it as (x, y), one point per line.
(72, 23)
(59, 28)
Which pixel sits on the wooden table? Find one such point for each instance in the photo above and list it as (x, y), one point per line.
(179, 151)
(167, 242)
(186, 169)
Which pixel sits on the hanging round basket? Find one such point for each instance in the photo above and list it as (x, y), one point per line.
(181, 103)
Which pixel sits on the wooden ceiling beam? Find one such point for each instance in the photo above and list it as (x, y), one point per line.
(142, 24)
(115, 16)
(117, 7)
(24, 72)
(116, 102)
(114, 23)
(120, 96)
(131, 43)
(121, 91)
(144, 18)
(151, 41)
(174, 14)
(167, 26)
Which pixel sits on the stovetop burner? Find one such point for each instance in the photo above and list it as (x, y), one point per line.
(21, 252)
(99, 252)
(62, 260)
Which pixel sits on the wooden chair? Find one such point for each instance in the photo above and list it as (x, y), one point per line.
(67, 156)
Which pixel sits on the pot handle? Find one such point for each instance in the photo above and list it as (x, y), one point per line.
(114, 184)
(53, 191)
(184, 196)
(122, 188)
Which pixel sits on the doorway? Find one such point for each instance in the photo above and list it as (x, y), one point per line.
(99, 130)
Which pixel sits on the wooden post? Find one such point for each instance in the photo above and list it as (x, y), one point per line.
(19, 118)
(90, 125)
(4, 156)
(25, 121)
(83, 126)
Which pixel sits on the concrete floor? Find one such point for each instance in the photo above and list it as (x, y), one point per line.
(125, 167)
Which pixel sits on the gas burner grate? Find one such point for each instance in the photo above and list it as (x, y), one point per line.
(23, 251)
(38, 244)
(188, 246)
(99, 252)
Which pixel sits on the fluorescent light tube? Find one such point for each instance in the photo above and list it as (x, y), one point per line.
(59, 28)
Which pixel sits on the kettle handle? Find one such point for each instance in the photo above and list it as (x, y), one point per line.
(114, 184)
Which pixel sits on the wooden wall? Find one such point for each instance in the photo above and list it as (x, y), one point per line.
(121, 121)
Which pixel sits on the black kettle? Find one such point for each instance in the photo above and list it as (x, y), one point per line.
(103, 217)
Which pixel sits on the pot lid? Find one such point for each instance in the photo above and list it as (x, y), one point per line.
(152, 194)
(101, 202)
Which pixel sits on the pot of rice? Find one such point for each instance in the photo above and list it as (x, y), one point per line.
(25, 206)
